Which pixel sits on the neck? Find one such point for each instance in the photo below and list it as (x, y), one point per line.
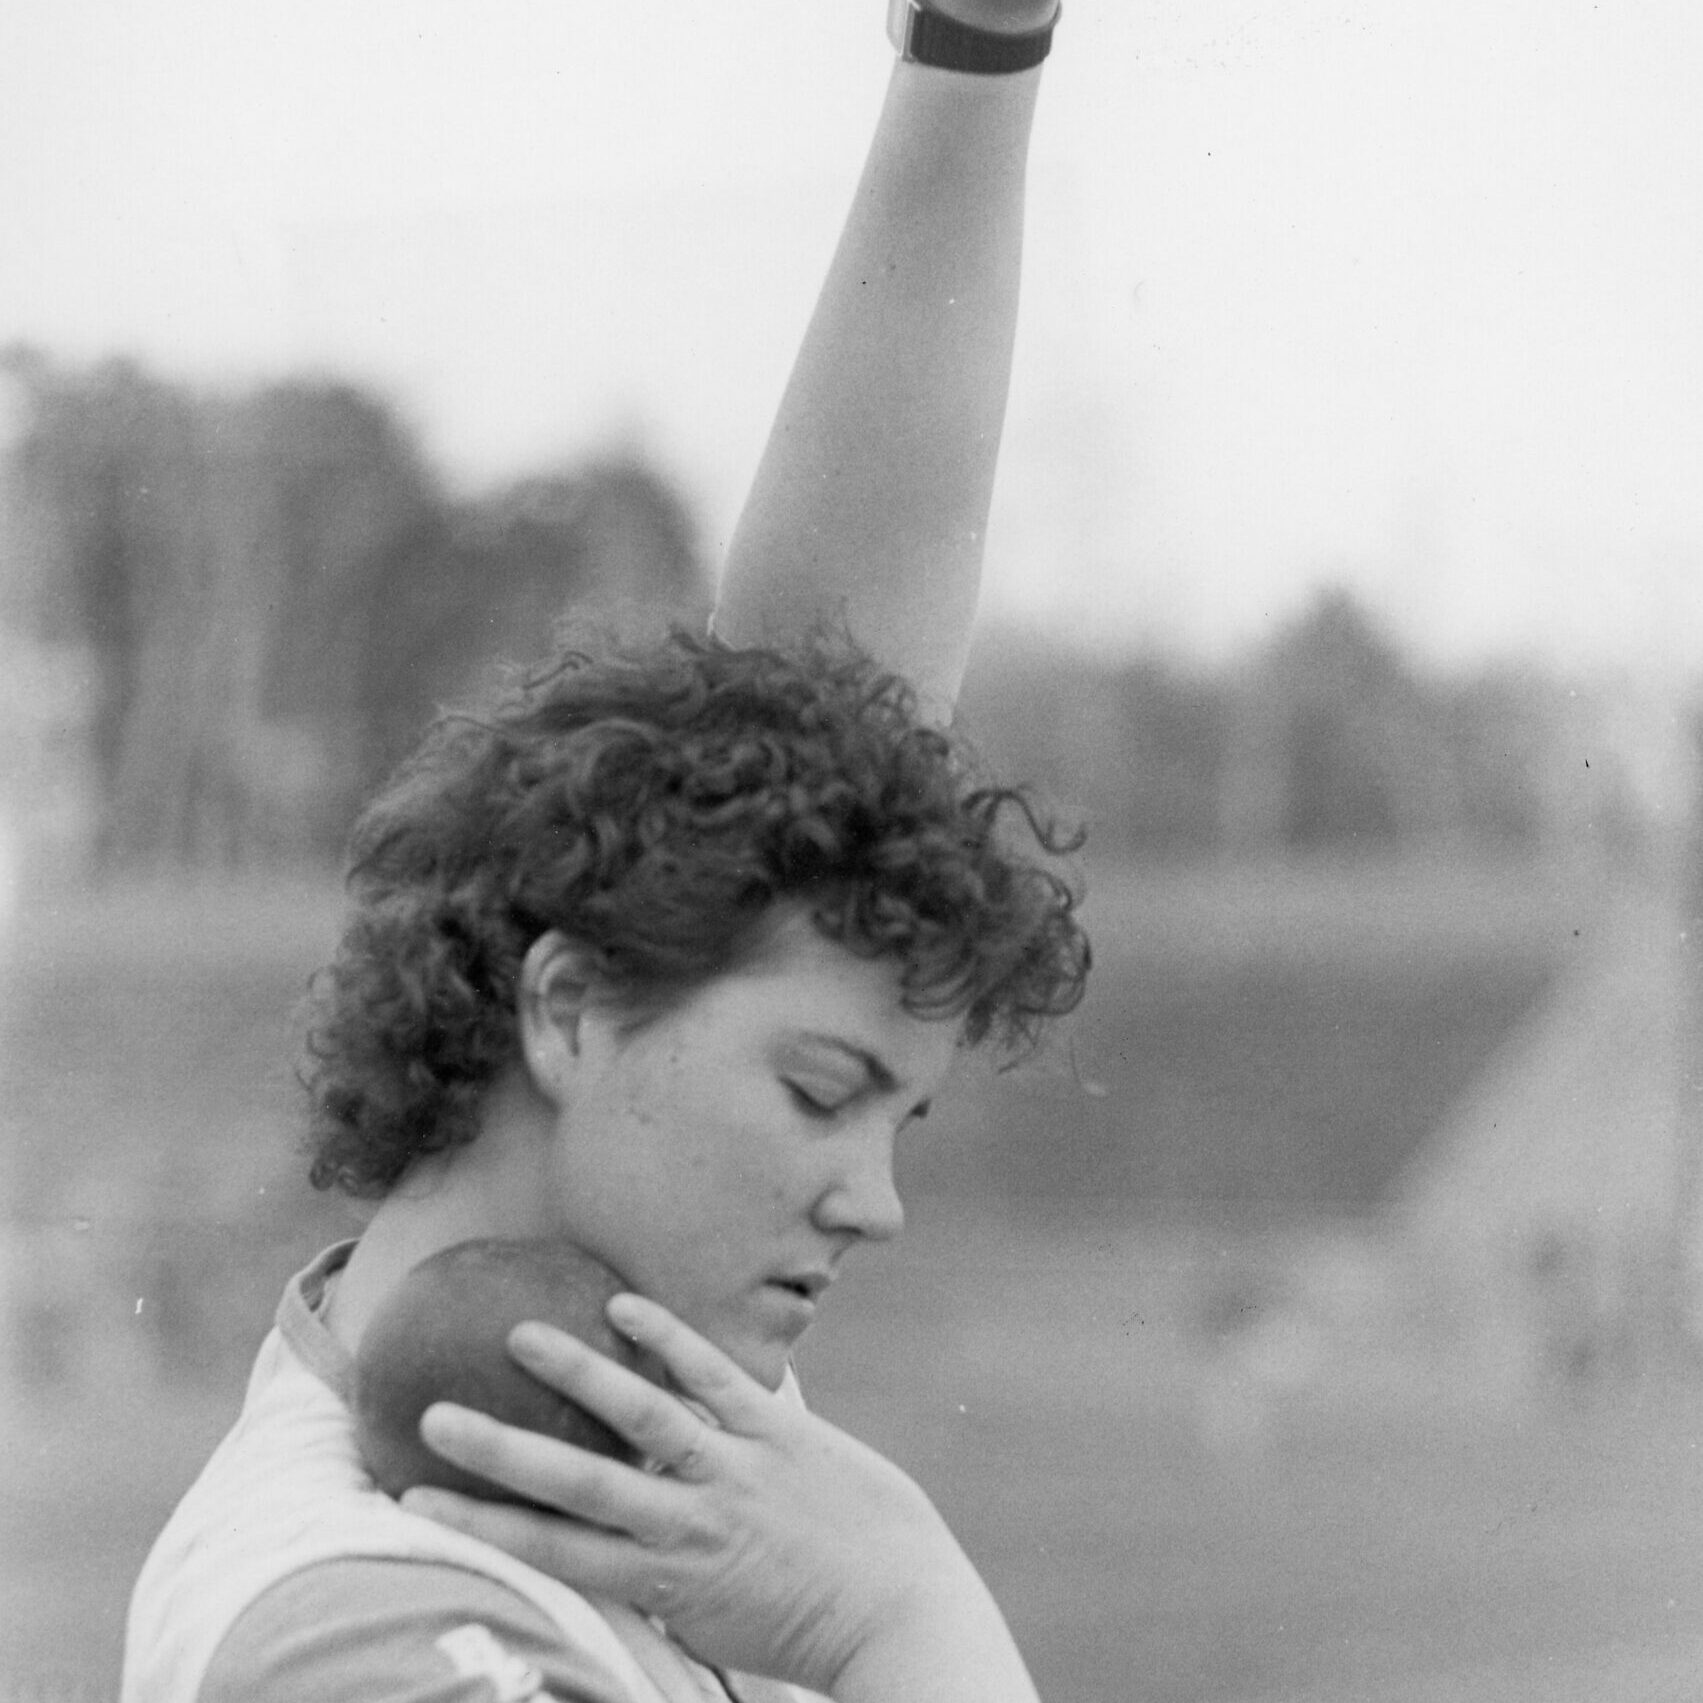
(493, 1185)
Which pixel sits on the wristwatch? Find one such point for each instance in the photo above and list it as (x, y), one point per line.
(924, 36)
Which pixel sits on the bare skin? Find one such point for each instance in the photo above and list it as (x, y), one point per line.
(775, 1542)
(871, 500)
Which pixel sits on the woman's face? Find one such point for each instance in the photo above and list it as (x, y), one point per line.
(725, 1157)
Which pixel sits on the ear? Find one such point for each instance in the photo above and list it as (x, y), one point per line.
(556, 984)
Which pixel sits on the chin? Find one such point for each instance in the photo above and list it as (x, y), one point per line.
(768, 1368)
(761, 1346)
(765, 1361)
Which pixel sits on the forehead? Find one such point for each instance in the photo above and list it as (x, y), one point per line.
(802, 982)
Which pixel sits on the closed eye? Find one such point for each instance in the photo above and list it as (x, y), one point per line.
(809, 1104)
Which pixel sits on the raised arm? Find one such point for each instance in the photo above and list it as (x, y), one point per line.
(871, 499)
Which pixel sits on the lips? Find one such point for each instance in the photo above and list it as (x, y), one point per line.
(806, 1285)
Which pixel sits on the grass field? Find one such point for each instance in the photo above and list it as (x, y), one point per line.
(1258, 1060)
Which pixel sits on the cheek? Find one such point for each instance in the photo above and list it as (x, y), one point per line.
(651, 1094)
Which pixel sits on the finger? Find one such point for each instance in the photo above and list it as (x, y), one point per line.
(700, 1369)
(580, 1556)
(656, 1423)
(555, 1474)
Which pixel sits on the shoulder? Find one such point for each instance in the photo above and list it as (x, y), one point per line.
(398, 1631)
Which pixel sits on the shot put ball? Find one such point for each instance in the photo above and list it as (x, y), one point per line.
(442, 1335)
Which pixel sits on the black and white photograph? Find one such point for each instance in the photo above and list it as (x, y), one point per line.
(851, 851)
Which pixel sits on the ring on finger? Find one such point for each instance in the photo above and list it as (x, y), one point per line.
(680, 1460)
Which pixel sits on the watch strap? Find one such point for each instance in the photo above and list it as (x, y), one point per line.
(923, 36)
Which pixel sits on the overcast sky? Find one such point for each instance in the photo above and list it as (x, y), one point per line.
(1403, 296)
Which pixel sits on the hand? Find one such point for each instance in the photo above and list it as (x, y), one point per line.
(771, 1542)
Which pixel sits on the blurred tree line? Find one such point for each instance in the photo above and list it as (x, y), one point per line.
(266, 594)
(270, 593)
(1328, 739)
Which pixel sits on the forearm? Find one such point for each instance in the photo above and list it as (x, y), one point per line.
(953, 1647)
(871, 500)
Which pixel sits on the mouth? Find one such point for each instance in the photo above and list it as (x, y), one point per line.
(807, 1286)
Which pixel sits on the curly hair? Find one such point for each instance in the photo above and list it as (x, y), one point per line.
(654, 806)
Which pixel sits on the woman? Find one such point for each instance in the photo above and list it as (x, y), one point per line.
(657, 959)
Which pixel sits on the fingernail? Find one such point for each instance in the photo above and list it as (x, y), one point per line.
(625, 1312)
(432, 1504)
(531, 1337)
(447, 1420)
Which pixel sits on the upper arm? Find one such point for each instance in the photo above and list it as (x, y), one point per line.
(384, 1631)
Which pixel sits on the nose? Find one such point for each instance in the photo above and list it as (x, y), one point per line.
(862, 1196)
